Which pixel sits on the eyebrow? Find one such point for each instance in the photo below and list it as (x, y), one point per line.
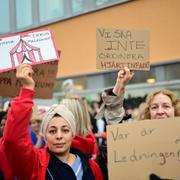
(61, 126)
(52, 127)
(166, 103)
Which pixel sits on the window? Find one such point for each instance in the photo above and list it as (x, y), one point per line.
(77, 6)
(49, 10)
(23, 13)
(101, 2)
(20, 15)
(4, 16)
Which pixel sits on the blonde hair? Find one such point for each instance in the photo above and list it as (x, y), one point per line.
(138, 113)
(80, 112)
(35, 114)
(174, 99)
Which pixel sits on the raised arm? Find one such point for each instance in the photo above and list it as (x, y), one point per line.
(112, 107)
(124, 76)
(18, 147)
(24, 73)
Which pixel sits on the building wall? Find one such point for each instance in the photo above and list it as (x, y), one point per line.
(76, 37)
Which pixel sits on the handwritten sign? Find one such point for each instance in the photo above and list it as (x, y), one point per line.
(137, 149)
(34, 47)
(116, 48)
(44, 76)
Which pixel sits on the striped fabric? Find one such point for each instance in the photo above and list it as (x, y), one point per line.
(77, 168)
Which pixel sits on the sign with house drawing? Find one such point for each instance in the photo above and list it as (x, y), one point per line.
(34, 47)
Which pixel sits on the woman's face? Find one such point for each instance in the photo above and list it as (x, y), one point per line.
(35, 125)
(161, 107)
(59, 136)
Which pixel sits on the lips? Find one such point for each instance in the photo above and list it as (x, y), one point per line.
(161, 117)
(59, 145)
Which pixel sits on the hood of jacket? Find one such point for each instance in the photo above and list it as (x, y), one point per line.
(86, 144)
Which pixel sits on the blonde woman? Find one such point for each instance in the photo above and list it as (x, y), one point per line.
(162, 104)
(84, 139)
(159, 104)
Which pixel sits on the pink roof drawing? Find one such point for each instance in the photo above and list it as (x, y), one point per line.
(22, 51)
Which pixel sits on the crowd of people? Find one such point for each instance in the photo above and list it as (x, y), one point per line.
(69, 140)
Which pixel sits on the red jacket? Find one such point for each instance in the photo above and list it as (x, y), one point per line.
(4, 165)
(27, 162)
(87, 144)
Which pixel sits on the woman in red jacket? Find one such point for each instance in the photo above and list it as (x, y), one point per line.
(58, 160)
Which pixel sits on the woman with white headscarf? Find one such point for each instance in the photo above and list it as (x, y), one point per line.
(58, 160)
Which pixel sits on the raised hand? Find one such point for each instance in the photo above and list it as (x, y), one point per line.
(124, 76)
(24, 73)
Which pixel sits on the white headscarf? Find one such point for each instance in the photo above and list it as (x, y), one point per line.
(61, 110)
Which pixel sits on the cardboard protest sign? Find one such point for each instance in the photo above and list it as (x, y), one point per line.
(137, 149)
(34, 47)
(117, 48)
(44, 76)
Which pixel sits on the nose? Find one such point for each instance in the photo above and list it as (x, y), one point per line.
(160, 110)
(59, 134)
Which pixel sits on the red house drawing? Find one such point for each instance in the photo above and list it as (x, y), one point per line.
(24, 51)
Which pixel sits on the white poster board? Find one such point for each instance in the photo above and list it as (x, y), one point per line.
(34, 47)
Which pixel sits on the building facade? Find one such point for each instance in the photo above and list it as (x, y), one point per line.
(73, 24)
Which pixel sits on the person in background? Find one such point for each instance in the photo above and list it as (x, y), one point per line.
(138, 113)
(159, 104)
(101, 139)
(87, 104)
(84, 139)
(100, 123)
(5, 169)
(112, 107)
(35, 124)
(99, 149)
(58, 160)
(3, 123)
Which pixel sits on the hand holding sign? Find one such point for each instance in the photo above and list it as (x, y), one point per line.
(124, 76)
(24, 73)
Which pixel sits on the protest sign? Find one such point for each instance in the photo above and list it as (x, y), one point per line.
(137, 149)
(44, 76)
(34, 47)
(117, 48)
